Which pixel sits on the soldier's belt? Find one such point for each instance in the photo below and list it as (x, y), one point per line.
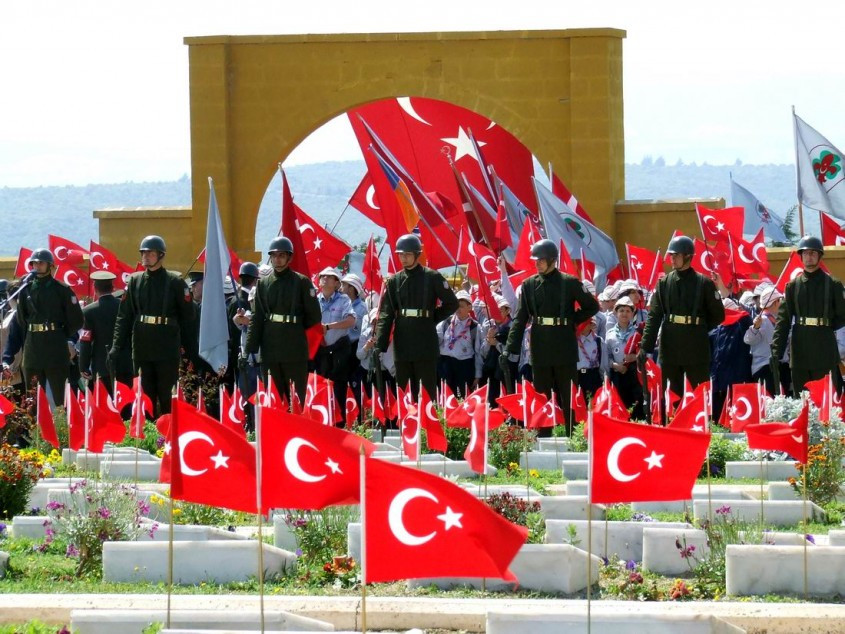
(154, 320)
(282, 319)
(813, 321)
(686, 320)
(48, 327)
(551, 321)
(414, 312)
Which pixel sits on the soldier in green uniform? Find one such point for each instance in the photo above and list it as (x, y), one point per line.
(548, 300)
(285, 307)
(813, 308)
(97, 335)
(50, 316)
(409, 308)
(684, 308)
(154, 309)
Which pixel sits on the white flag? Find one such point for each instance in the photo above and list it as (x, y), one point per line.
(757, 215)
(820, 171)
(214, 323)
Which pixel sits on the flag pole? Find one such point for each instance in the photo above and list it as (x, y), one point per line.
(806, 534)
(590, 453)
(800, 206)
(707, 427)
(173, 448)
(484, 461)
(762, 511)
(525, 441)
(363, 539)
(258, 501)
(419, 424)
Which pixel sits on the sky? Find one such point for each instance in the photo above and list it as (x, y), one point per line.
(97, 92)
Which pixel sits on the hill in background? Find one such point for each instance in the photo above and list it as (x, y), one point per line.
(27, 215)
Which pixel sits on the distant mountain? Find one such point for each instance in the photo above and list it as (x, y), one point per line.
(27, 215)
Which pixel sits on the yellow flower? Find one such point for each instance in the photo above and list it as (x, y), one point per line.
(533, 473)
(177, 511)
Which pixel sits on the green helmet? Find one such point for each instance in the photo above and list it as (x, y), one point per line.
(682, 245)
(409, 243)
(544, 250)
(249, 269)
(153, 243)
(280, 244)
(811, 243)
(42, 255)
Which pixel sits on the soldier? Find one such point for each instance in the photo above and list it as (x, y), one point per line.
(684, 308)
(285, 307)
(97, 335)
(548, 300)
(409, 308)
(154, 310)
(50, 316)
(813, 307)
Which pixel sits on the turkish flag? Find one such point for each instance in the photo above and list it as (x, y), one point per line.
(366, 401)
(75, 420)
(450, 401)
(643, 265)
(751, 257)
(141, 405)
(373, 280)
(460, 417)
(522, 408)
(22, 267)
(420, 525)
(163, 425)
(6, 408)
(792, 269)
(588, 269)
(481, 262)
(232, 410)
(267, 398)
(305, 465)
(565, 263)
(548, 415)
(644, 463)
(365, 200)
(562, 191)
(123, 395)
(409, 424)
(105, 423)
(72, 277)
(608, 401)
(215, 465)
(503, 230)
(732, 316)
(321, 409)
(718, 224)
(486, 296)
(791, 438)
(435, 437)
(530, 234)
(384, 409)
(833, 233)
(692, 414)
(44, 417)
(351, 407)
(745, 406)
(101, 259)
(577, 403)
(65, 251)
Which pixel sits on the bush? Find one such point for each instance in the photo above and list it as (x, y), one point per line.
(321, 539)
(507, 443)
(722, 450)
(458, 439)
(519, 511)
(19, 471)
(110, 512)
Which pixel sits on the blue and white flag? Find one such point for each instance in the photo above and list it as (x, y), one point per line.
(821, 171)
(214, 324)
(757, 215)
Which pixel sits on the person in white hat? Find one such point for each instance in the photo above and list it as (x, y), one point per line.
(623, 368)
(759, 338)
(631, 289)
(460, 361)
(353, 287)
(333, 357)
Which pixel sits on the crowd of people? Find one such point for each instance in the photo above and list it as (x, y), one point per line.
(422, 333)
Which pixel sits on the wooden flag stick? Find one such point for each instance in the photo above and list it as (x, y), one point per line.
(589, 518)
(363, 507)
(258, 502)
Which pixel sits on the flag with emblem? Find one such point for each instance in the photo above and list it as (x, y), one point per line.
(66, 251)
(819, 165)
(351, 407)
(745, 406)
(643, 463)
(430, 421)
(305, 465)
(757, 215)
(365, 200)
(409, 423)
(75, 420)
(717, 224)
(6, 408)
(44, 417)
(419, 525)
(232, 410)
(213, 465)
(791, 438)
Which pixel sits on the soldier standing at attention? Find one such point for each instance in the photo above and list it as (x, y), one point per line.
(154, 309)
(409, 308)
(50, 317)
(548, 301)
(813, 308)
(97, 335)
(285, 307)
(684, 308)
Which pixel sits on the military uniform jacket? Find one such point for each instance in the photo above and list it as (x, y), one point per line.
(683, 294)
(417, 289)
(47, 301)
(97, 336)
(288, 294)
(551, 296)
(158, 293)
(813, 295)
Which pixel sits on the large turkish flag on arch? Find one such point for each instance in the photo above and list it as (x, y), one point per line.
(642, 463)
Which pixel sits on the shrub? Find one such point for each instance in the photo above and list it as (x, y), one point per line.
(507, 443)
(519, 511)
(722, 450)
(19, 471)
(321, 538)
(458, 439)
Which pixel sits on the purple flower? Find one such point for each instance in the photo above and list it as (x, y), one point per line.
(2, 529)
(159, 442)
(723, 510)
(153, 530)
(71, 551)
(605, 561)
(143, 507)
(298, 552)
(687, 552)
(630, 565)
(104, 512)
(35, 510)
(810, 538)
(54, 506)
(78, 485)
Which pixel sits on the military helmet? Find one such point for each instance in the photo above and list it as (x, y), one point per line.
(682, 245)
(812, 243)
(409, 243)
(544, 250)
(153, 243)
(42, 255)
(249, 269)
(4, 287)
(280, 244)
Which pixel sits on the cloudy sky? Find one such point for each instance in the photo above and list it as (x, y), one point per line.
(97, 92)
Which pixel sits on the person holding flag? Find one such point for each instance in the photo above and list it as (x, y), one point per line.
(684, 308)
(548, 301)
(333, 358)
(813, 308)
(154, 310)
(410, 312)
(460, 361)
(623, 372)
(285, 307)
(759, 336)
